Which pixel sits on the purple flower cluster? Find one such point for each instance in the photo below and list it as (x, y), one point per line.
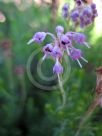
(83, 14)
(61, 43)
(65, 10)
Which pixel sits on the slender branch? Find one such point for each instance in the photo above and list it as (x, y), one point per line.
(96, 102)
(87, 115)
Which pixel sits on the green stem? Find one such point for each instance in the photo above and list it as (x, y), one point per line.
(8, 65)
(62, 92)
(23, 88)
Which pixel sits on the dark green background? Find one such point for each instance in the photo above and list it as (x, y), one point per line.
(26, 110)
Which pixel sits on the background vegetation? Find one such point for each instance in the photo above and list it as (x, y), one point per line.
(26, 110)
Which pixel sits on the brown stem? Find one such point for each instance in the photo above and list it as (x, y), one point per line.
(89, 112)
(54, 8)
(96, 102)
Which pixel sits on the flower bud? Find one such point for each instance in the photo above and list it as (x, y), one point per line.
(58, 69)
(59, 30)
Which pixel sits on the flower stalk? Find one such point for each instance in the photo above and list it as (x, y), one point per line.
(62, 92)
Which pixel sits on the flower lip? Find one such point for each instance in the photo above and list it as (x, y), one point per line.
(65, 40)
(47, 49)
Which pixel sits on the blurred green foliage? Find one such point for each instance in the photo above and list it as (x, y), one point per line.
(26, 110)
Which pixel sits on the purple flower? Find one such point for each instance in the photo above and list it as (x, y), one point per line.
(65, 14)
(65, 41)
(39, 37)
(70, 35)
(47, 49)
(65, 10)
(76, 54)
(58, 69)
(79, 38)
(65, 7)
(87, 12)
(93, 6)
(75, 15)
(79, 2)
(61, 43)
(95, 14)
(83, 14)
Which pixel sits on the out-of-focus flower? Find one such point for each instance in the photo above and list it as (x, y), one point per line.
(87, 1)
(2, 17)
(84, 13)
(6, 46)
(17, 2)
(65, 10)
(19, 70)
(79, 2)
